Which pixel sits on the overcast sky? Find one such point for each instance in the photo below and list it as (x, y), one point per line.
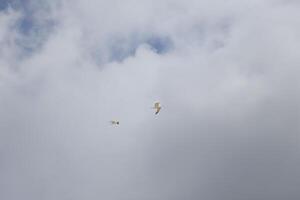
(225, 72)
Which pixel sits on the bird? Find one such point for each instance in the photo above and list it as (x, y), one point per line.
(115, 122)
(157, 107)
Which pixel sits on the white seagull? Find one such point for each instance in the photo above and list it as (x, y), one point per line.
(114, 122)
(157, 107)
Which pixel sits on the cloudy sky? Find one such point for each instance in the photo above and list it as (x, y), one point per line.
(226, 73)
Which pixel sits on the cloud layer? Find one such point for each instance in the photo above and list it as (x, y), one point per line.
(225, 73)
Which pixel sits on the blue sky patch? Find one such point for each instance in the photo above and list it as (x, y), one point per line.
(32, 32)
(121, 48)
(160, 45)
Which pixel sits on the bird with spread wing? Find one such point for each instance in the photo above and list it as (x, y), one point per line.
(157, 107)
(114, 122)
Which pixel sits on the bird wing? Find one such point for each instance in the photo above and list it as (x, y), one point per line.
(114, 122)
(157, 110)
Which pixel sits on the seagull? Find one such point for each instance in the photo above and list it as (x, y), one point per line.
(115, 122)
(157, 107)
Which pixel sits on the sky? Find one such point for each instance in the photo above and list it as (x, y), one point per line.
(226, 74)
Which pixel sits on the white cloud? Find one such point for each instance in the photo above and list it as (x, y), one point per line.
(228, 83)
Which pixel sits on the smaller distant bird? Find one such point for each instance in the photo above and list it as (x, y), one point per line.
(115, 122)
(157, 107)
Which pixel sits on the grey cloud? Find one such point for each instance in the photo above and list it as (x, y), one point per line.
(225, 73)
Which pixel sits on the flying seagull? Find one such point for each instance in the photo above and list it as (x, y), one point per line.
(115, 122)
(157, 107)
